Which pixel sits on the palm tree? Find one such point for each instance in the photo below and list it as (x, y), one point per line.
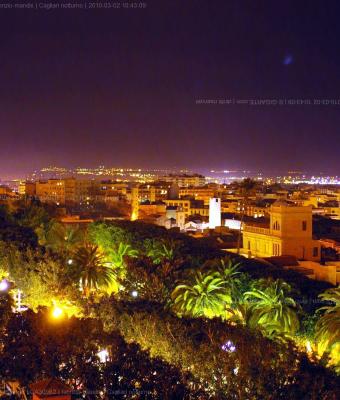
(272, 310)
(91, 270)
(64, 239)
(236, 284)
(328, 326)
(117, 255)
(246, 189)
(241, 315)
(228, 270)
(164, 253)
(205, 296)
(159, 250)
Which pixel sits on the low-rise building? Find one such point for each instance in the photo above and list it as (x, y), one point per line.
(27, 188)
(66, 191)
(289, 233)
(185, 180)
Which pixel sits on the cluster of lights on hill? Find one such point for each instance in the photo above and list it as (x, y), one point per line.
(119, 174)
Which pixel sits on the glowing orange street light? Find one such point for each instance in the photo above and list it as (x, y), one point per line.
(57, 312)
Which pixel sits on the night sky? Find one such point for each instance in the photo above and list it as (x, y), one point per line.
(120, 87)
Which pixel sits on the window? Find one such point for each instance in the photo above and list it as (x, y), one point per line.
(276, 226)
(276, 249)
(248, 245)
(315, 251)
(304, 225)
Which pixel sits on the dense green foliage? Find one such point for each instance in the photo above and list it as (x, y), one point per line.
(328, 326)
(205, 296)
(89, 268)
(35, 347)
(12, 232)
(179, 317)
(254, 368)
(272, 308)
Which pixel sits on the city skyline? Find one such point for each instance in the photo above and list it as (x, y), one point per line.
(225, 85)
(112, 172)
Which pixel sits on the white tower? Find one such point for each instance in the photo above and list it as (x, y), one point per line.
(214, 213)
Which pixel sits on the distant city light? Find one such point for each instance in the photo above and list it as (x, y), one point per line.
(134, 293)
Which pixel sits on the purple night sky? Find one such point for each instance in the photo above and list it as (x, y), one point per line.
(119, 86)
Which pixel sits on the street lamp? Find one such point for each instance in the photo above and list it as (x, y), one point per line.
(4, 285)
(103, 355)
(57, 312)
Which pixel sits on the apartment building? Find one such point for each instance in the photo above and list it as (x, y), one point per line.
(65, 191)
(185, 180)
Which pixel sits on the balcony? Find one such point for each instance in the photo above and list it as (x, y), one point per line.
(256, 229)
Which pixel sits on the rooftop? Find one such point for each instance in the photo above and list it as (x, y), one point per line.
(50, 387)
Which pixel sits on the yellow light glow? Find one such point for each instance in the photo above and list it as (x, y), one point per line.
(308, 346)
(103, 355)
(57, 312)
(134, 216)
